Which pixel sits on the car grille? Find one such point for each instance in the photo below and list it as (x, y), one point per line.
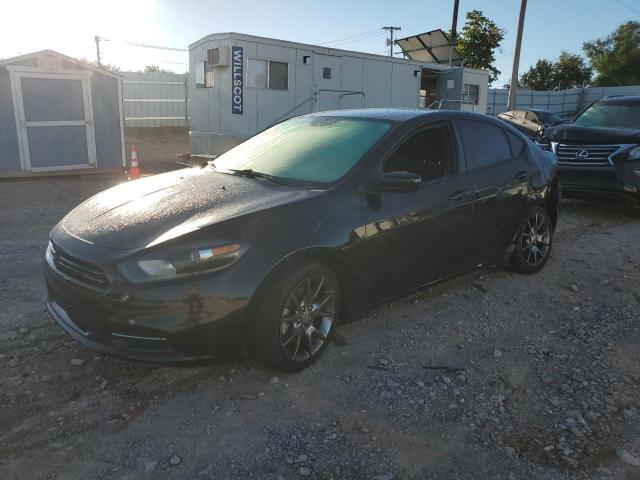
(596, 155)
(88, 320)
(79, 270)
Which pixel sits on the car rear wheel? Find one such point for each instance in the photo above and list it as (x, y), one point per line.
(533, 244)
(297, 312)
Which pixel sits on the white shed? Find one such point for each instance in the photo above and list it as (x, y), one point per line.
(240, 84)
(59, 114)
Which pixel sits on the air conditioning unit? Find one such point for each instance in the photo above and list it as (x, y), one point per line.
(218, 57)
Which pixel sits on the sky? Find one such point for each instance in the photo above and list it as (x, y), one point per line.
(69, 26)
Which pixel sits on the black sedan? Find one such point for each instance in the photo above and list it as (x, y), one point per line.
(313, 219)
(531, 122)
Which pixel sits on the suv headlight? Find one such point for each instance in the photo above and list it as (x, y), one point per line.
(180, 261)
(634, 153)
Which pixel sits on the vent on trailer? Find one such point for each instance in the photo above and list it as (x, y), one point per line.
(218, 57)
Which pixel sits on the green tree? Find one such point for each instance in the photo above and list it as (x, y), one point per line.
(478, 40)
(568, 71)
(616, 58)
(571, 71)
(156, 69)
(539, 76)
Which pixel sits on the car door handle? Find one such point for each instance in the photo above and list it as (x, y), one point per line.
(522, 175)
(459, 195)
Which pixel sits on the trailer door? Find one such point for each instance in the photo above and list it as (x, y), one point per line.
(327, 79)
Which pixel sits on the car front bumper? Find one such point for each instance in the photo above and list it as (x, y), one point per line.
(174, 322)
(620, 181)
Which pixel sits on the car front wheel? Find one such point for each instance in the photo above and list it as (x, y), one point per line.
(533, 244)
(297, 312)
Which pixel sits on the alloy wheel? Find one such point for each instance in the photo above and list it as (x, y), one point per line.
(307, 318)
(535, 239)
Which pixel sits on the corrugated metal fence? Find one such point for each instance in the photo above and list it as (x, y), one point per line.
(563, 102)
(155, 99)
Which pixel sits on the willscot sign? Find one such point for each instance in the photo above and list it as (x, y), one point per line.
(237, 79)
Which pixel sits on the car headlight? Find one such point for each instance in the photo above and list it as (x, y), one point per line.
(634, 153)
(180, 261)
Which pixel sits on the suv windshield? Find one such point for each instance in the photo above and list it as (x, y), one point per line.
(308, 149)
(611, 115)
(548, 117)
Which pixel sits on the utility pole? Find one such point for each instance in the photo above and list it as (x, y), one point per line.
(97, 39)
(513, 86)
(454, 29)
(391, 30)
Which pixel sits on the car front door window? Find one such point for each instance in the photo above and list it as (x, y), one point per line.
(428, 153)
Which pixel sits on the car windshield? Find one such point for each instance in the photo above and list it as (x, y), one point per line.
(548, 117)
(308, 149)
(611, 115)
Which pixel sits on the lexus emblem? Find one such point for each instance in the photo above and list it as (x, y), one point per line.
(582, 154)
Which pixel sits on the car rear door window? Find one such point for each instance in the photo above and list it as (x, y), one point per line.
(517, 145)
(429, 153)
(484, 144)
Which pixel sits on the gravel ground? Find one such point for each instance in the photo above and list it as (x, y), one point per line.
(157, 146)
(493, 375)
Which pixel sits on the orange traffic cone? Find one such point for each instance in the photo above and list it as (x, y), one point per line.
(134, 171)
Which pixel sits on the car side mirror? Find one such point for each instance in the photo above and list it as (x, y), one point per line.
(398, 182)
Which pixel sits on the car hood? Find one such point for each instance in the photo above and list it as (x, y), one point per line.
(156, 209)
(572, 133)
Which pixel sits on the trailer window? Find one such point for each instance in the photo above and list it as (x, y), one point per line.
(278, 75)
(204, 75)
(470, 93)
(268, 74)
(257, 73)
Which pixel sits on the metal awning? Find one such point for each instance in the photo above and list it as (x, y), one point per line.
(433, 46)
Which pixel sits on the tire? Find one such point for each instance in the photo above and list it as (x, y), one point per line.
(295, 315)
(534, 241)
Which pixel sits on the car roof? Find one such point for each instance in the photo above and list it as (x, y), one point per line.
(621, 100)
(401, 114)
(534, 110)
(540, 110)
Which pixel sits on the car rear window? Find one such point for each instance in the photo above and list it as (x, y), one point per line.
(484, 144)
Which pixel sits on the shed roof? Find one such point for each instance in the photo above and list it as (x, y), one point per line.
(53, 53)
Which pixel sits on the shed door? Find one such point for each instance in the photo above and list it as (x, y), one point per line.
(326, 74)
(55, 116)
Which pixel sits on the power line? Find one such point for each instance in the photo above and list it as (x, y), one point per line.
(144, 45)
(627, 6)
(167, 61)
(356, 37)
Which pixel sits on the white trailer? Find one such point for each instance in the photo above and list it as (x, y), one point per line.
(241, 84)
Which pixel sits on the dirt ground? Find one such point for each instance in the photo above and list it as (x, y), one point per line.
(494, 375)
(157, 147)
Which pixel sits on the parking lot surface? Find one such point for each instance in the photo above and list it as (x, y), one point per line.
(492, 375)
